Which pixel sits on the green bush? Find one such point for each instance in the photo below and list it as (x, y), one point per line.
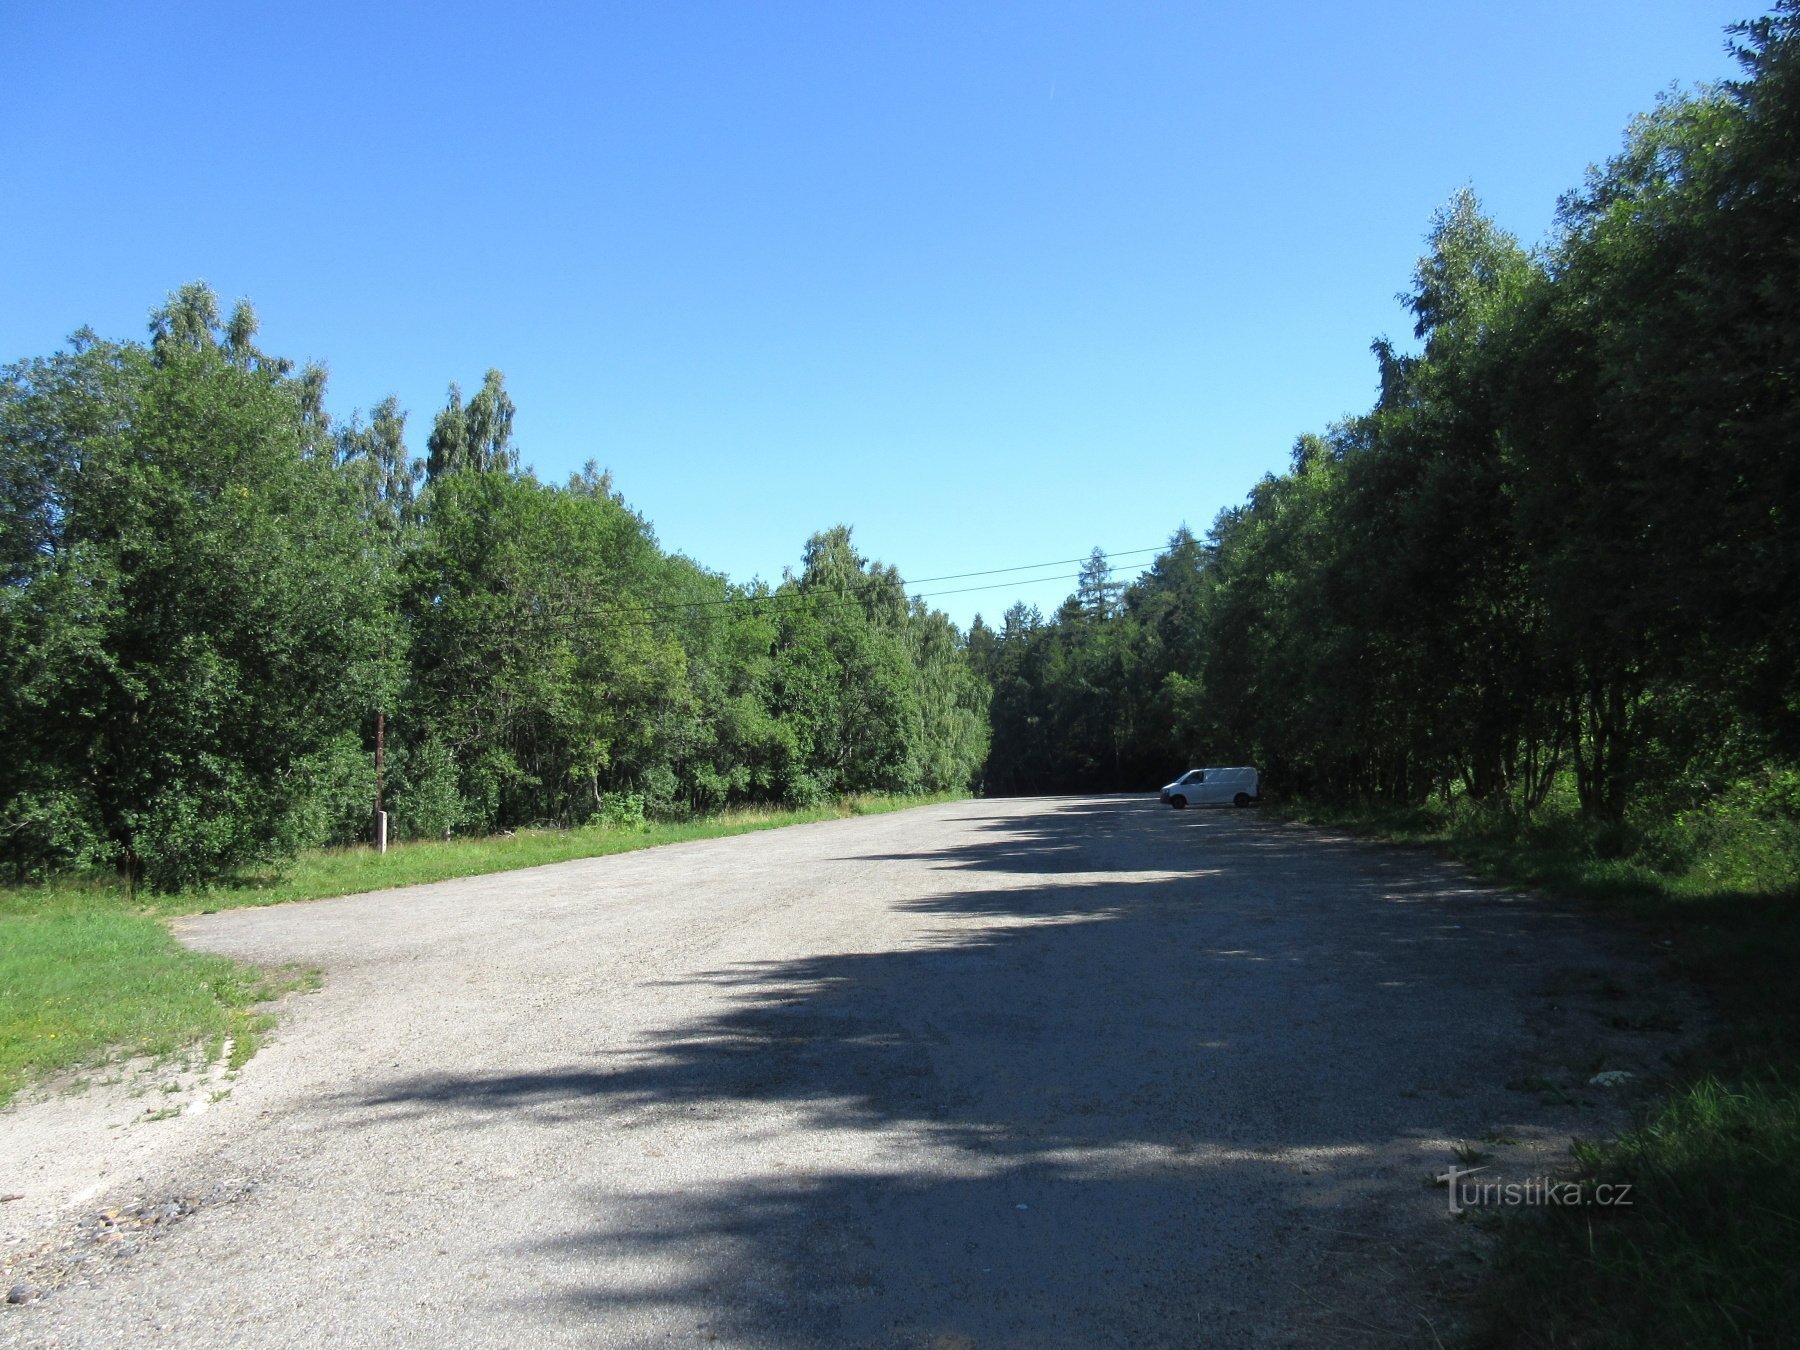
(339, 800)
(802, 790)
(1745, 838)
(622, 810)
(48, 831)
(426, 802)
(662, 794)
(212, 822)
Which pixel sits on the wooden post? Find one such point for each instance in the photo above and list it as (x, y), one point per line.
(381, 821)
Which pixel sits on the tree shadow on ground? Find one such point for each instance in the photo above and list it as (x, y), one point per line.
(1149, 1081)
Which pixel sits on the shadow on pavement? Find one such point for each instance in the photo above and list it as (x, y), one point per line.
(1150, 1082)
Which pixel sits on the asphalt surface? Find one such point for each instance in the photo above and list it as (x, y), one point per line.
(1039, 1072)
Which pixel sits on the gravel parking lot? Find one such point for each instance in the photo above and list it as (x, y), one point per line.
(1035, 1072)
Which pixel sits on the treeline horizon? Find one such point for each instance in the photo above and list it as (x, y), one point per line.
(1558, 558)
(217, 598)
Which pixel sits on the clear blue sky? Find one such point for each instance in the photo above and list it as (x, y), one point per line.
(994, 283)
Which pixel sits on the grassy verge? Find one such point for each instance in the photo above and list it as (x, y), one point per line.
(80, 983)
(1707, 1253)
(321, 873)
(86, 973)
(1705, 1256)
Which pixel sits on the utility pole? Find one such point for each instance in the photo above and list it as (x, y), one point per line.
(380, 815)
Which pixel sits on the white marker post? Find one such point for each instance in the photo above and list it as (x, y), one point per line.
(380, 813)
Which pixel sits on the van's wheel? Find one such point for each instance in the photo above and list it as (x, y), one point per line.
(1179, 803)
(1242, 799)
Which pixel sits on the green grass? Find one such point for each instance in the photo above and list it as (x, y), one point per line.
(81, 984)
(321, 873)
(1706, 1255)
(87, 973)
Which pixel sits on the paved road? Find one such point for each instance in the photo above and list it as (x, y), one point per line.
(1056, 1071)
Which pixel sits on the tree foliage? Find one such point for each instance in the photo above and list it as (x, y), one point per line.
(1562, 546)
(212, 594)
(188, 602)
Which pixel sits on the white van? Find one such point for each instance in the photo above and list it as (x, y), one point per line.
(1213, 787)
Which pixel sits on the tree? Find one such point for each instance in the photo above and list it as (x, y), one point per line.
(214, 596)
(532, 662)
(475, 438)
(381, 475)
(190, 610)
(1096, 593)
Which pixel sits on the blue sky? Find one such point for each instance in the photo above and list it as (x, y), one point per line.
(993, 283)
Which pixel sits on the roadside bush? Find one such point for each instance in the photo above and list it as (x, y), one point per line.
(711, 789)
(339, 799)
(660, 791)
(206, 825)
(48, 831)
(1746, 839)
(622, 810)
(802, 790)
(425, 800)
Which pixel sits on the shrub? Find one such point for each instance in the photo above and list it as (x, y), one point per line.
(426, 802)
(622, 810)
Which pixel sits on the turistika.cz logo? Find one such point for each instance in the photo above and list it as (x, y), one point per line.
(1464, 1194)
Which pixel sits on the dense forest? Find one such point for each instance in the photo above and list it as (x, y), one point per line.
(1559, 558)
(1557, 561)
(218, 599)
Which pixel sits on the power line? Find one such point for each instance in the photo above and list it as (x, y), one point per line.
(777, 599)
(646, 613)
(1028, 567)
(997, 585)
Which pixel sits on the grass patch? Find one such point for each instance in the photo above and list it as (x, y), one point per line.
(1705, 1254)
(322, 873)
(87, 973)
(81, 985)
